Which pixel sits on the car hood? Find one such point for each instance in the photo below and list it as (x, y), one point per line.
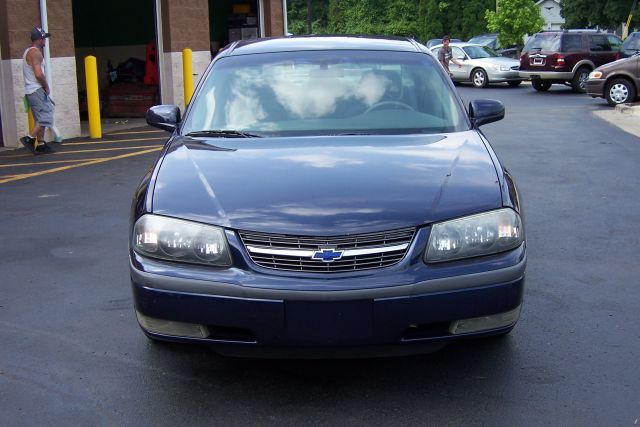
(326, 185)
(499, 60)
(620, 63)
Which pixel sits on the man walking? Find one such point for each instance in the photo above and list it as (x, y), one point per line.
(445, 55)
(36, 90)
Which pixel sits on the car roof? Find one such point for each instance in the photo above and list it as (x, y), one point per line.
(306, 43)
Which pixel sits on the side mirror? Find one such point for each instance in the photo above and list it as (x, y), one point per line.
(165, 117)
(483, 111)
(462, 58)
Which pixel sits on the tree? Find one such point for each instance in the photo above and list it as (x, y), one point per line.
(514, 19)
(598, 13)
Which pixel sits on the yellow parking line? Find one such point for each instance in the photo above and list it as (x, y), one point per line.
(45, 163)
(63, 168)
(106, 141)
(81, 151)
(138, 131)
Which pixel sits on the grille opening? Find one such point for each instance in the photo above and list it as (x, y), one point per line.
(226, 333)
(380, 242)
(426, 330)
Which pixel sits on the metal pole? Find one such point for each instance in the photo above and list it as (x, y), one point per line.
(284, 15)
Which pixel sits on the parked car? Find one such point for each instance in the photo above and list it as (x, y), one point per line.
(631, 45)
(491, 40)
(431, 43)
(566, 57)
(326, 194)
(618, 82)
(481, 65)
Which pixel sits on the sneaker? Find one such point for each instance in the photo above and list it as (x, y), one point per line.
(29, 143)
(44, 148)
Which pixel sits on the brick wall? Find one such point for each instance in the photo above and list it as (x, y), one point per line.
(185, 24)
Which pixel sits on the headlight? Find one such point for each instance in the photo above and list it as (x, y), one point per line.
(475, 235)
(179, 240)
(501, 67)
(595, 75)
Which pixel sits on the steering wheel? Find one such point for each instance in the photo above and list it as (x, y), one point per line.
(381, 104)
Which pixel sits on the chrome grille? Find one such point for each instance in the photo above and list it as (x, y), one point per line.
(360, 252)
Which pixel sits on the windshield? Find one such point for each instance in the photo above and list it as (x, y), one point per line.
(476, 52)
(483, 40)
(546, 42)
(632, 42)
(326, 93)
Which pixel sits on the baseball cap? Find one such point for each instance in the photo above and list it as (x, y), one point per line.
(37, 33)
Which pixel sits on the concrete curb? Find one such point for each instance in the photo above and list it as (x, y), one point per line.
(630, 109)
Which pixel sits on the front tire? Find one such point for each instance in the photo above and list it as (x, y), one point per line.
(619, 91)
(479, 78)
(540, 86)
(579, 81)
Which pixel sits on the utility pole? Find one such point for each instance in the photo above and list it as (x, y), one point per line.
(308, 16)
(625, 30)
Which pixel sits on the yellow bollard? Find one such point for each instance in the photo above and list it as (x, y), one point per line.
(187, 71)
(93, 98)
(31, 122)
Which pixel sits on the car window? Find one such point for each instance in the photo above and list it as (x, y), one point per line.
(614, 42)
(326, 92)
(457, 52)
(475, 52)
(598, 43)
(572, 43)
(546, 42)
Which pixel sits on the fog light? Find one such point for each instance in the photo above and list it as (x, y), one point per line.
(485, 323)
(169, 327)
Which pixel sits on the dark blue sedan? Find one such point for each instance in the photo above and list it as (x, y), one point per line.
(326, 196)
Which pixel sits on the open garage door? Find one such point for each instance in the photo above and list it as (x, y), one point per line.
(121, 34)
(231, 20)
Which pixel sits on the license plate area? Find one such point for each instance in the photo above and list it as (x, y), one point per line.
(538, 61)
(329, 322)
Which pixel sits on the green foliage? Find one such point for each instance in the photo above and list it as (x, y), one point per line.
(514, 19)
(598, 13)
(422, 19)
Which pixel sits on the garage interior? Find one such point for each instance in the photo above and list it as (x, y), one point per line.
(124, 45)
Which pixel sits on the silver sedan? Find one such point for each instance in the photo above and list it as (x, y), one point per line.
(481, 65)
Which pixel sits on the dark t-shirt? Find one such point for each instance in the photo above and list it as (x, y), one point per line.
(444, 56)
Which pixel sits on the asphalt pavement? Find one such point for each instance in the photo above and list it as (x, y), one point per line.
(71, 352)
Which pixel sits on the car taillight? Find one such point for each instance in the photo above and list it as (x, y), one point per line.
(560, 61)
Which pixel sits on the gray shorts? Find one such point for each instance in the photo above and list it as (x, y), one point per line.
(41, 108)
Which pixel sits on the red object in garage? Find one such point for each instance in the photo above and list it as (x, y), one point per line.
(151, 65)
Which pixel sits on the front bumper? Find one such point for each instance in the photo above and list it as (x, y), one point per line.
(504, 76)
(595, 87)
(405, 306)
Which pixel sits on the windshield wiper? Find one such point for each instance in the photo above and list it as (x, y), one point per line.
(223, 134)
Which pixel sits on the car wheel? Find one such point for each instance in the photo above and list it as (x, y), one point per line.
(540, 86)
(579, 81)
(514, 83)
(619, 91)
(479, 78)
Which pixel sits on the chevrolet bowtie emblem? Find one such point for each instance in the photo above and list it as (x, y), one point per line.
(327, 255)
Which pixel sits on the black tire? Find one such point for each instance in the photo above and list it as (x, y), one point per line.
(479, 78)
(540, 86)
(514, 83)
(579, 81)
(619, 91)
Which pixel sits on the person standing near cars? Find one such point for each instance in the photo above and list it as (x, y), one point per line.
(445, 55)
(37, 91)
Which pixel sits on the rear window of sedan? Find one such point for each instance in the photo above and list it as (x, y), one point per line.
(326, 93)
